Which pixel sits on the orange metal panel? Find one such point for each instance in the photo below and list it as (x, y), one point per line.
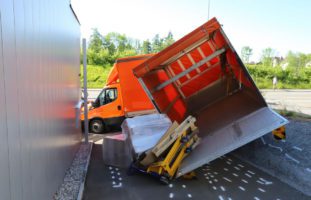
(201, 43)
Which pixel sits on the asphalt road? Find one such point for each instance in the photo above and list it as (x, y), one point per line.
(225, 178)
(294, 100)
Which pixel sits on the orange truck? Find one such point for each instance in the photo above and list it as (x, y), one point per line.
(121, 97)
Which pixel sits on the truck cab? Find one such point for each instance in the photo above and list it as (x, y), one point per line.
(121, 97)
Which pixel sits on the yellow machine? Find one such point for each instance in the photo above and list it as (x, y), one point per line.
(279, 133)
(165, 158)
(182, 146)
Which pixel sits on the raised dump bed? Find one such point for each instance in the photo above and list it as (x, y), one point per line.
(202, 75)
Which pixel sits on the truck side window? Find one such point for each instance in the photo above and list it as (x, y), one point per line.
(108, 96)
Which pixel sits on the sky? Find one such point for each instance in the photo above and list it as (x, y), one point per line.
(282, 25)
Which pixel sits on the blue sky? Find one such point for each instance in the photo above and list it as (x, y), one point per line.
(280, 24)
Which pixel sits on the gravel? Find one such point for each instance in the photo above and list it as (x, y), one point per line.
(287, 160)
(75, 175)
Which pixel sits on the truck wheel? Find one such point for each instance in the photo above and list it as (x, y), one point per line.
(97, 126)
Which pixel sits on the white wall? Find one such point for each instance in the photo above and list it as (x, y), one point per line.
(39, 86)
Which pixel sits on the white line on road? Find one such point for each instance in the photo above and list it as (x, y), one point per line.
(222, 188)
(241, 188)
(240, 165)
(276, 147)
(251, 172)
(245, 181)
(261, 190)
(225, 178)
(248, 175)
(297, 148)
(171, 195)
(291, 158)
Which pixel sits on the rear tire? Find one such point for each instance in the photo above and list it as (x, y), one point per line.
(97, 126)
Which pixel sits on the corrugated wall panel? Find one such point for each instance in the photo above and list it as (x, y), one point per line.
(4, 149)
(39, 86)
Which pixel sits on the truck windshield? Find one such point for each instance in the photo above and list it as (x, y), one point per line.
(108, 96)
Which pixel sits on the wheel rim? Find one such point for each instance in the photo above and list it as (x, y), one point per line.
(97, 126)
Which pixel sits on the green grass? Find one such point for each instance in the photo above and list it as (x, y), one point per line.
(293, 114)
(96, 75)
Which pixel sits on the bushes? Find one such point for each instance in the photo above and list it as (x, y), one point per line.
(289, 78)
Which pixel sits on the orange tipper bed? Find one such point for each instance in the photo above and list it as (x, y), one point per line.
(202, 75)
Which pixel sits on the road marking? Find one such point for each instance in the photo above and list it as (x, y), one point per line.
(220, 197)
(118, 173)
(256, 198)
(265, 181)
(260, 182)
(210, 182)
(207, 178)
(248, 175)
(229, 163)
(113, 182)
(189, 195)
(230, 159)
(214, 187)
(276, 147)
(222, 188)
(117, 186)
(234, 174)
(120, 179)
(170, 185)
(225, 169)
(263, 140)
(205, 174)
(245, 181)
(251, 172)
(240, 165)
(241, 188)
(110, 168)
(184, 186)
(215, 173)
(117, 169)
(297, 148)
(225, 178)
(113, 177)
(215, 180)
(261, 190)
(237, 168)
(308, 169)
(291, 158)
(171, 195)
(212, 176)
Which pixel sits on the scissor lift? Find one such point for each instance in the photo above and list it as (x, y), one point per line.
(170, 151)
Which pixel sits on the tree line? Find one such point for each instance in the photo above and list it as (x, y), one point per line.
(292, 71)
(105, 49)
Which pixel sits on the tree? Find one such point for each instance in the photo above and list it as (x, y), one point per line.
(157, 44)
(168, 40)
(267, 56)
(246, 52)
(95, 48)
(146, 48)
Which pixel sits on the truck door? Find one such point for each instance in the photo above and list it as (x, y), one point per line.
(110, 104)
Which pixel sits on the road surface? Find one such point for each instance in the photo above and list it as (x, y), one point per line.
(294, 100)
(225, 178)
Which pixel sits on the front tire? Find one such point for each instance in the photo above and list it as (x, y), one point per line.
(97, 126)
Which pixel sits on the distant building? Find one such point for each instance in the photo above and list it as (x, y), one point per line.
(277, 61)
